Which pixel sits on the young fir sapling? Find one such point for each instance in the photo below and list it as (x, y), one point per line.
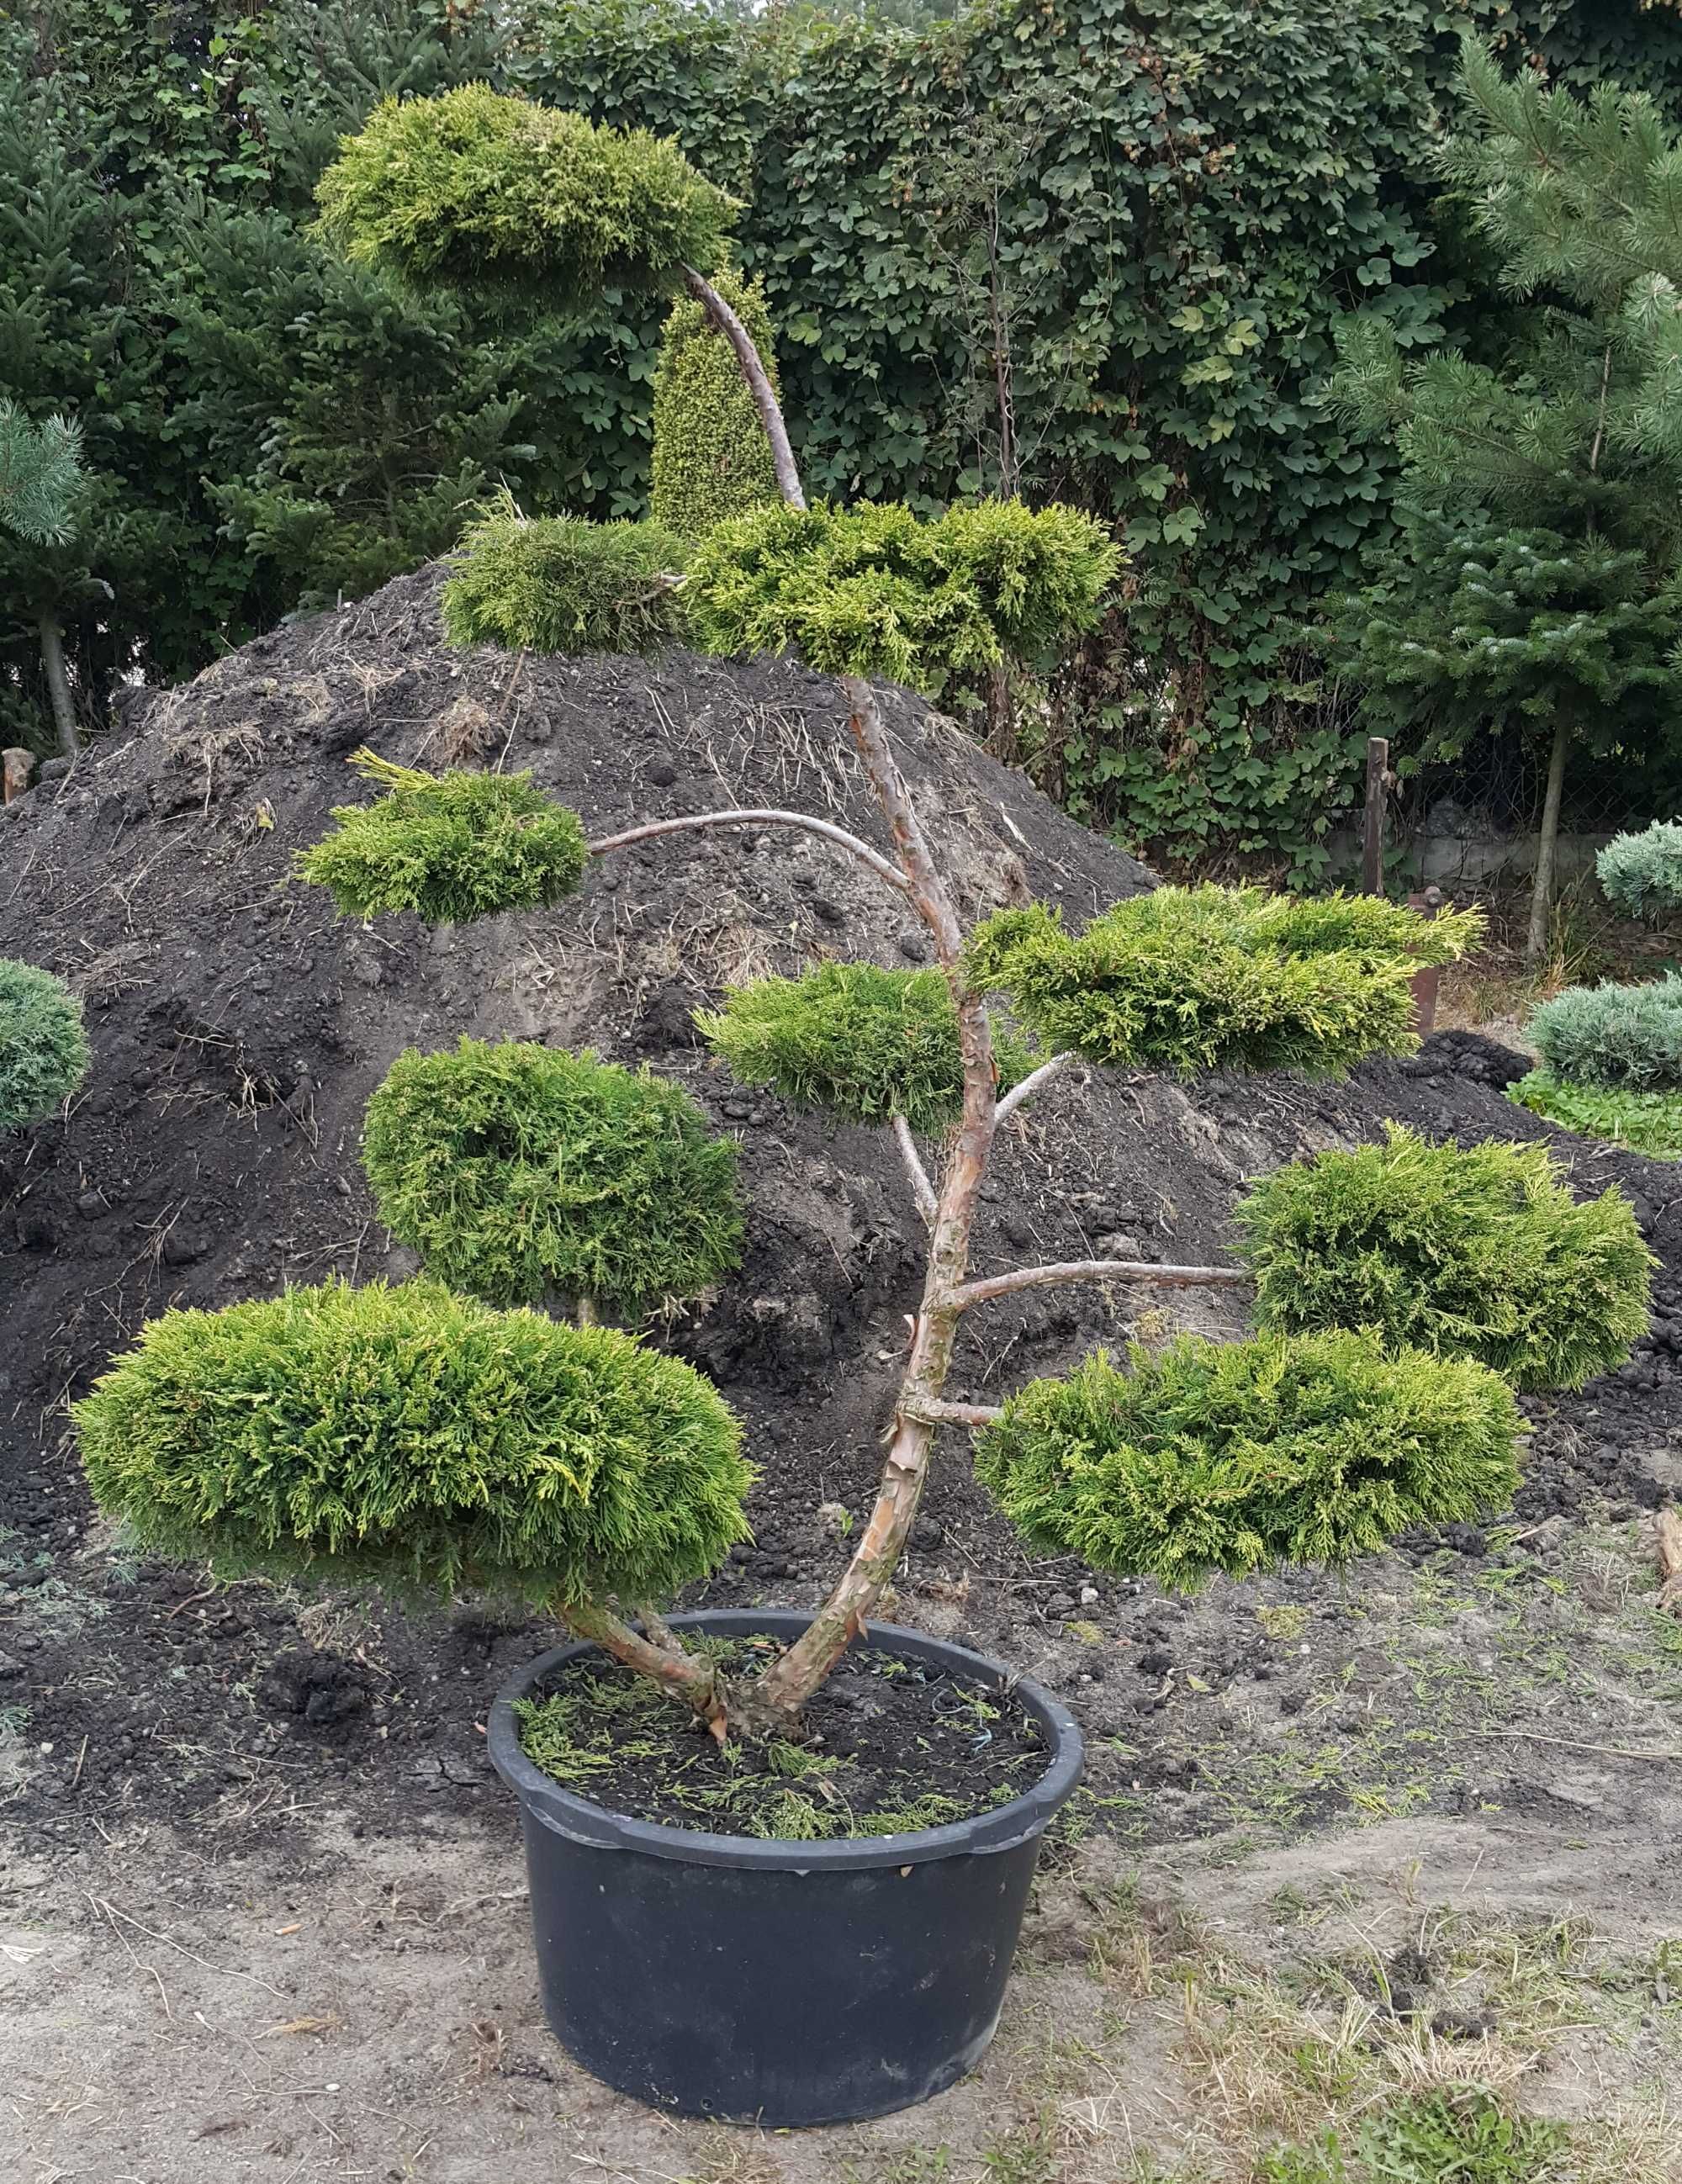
(1212, 1457)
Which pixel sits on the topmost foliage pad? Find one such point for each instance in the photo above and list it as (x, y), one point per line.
(474, 187)
(1190, 979)
(450, 847)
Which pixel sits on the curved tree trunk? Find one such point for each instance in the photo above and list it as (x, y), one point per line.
(1547, 842)
(753, 371)
(58, 684)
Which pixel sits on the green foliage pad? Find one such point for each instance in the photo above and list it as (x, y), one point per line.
(413, 1439)
(475, 188)
(559, 584)
(874, 590)
(450, 847)
(1467, 1251)
(1620, 1037)
(1645, 1121)
(1642, 873)
(43, 1049)
(1185, 979)
(519, 1171)
(711, 458)
(1214, 1457)
(863, 1043)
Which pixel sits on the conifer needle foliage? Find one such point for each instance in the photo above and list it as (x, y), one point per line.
(557, 583)
(475, 188)
(450, 846)
(711, 458)
(1618, 1037)
(1214, 1457)
(418, 1440)
(40, 475)
(863, 1043)
(43, 1048)
(1185, 979)
(521, 1171)
(1642, 873)
(875, 590)
(1467, 1251)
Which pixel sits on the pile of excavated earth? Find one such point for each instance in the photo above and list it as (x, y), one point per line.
(238, 1028)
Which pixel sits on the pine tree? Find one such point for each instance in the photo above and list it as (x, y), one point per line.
(1532, 582)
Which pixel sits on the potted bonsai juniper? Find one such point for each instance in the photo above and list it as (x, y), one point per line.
(429, 1442)
(728, 1923)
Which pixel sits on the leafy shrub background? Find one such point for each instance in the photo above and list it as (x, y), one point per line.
(1208, 1456)
(517, 1170)
(450, 846)
(1187, 979)
(1198, 200)
(44, 1052)
(414, 1438)
(860, 1042)
(1642, 873)
(1467, 1251)
(1645, 1121)
(561, 584)
(1623, 1038)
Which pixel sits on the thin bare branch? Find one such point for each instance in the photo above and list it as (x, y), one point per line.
(1099, 1270)
(1036, 1082)
(692, 822)
(752, 368)
(922, 1189)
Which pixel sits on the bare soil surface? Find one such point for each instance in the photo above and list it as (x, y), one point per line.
(1501, 1707)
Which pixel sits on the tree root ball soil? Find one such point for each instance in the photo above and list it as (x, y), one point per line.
(238, 1030)
(887, 1746)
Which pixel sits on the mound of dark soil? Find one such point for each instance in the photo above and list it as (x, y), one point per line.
(238, 1029)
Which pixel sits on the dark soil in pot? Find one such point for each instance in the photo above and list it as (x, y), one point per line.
(888, 1746)
(788, 1980)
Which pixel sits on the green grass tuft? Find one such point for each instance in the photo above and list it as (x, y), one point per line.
(1468, 1252)
(450, 847)
(1214, 1457)
(519, 1171)
(1646, 1122)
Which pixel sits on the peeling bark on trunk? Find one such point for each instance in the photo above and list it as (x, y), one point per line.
(59, 685)
(1541, 892)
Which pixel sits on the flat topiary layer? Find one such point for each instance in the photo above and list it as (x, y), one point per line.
(1623, 1038)
(1187, 979)
(1646, 1122)
(858, 1041)
(44, 1054)
(519, 1171)
(557, 583)
(477, 189)
(875, 590)
(1467, 1251)
(1214, 1457)
(414, 1439)
(450, 846)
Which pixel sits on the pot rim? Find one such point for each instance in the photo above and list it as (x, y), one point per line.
(1002, 1828)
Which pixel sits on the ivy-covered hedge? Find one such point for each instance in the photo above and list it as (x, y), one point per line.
(1190, 194)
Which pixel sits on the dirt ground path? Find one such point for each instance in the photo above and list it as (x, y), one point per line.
(177, 2010)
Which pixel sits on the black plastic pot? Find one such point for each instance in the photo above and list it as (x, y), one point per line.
(783, 1982)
